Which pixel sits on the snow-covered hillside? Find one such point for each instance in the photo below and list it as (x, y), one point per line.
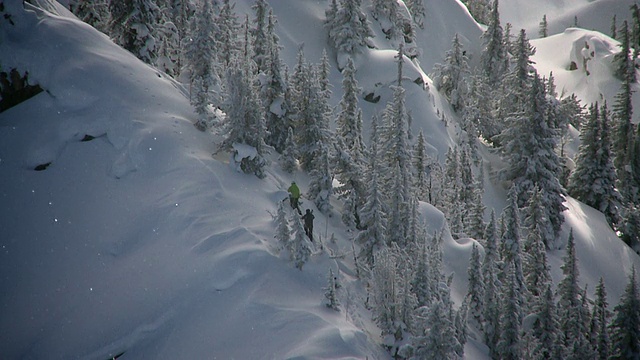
(134, 239)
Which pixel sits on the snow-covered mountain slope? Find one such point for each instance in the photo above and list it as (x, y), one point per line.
(564, 56)
(136, 240)
(561, 14)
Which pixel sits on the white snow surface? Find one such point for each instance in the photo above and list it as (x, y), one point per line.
(139, 241)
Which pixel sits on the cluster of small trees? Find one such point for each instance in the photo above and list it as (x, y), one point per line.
(521, 319)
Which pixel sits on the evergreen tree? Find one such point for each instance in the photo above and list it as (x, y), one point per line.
(512, 247)
(535, 266)
(490, 269)
(546, 326)
(450, 77)
(92, 12)
(476, 293)
(421, 168)
(321, 184)
(508, 347)
(384, 291)
(494, 54)
(614, 27)
(273, 88)
(330, 292)
(352, 189)
(299, 246)
(529, 148)
(474, 221)
(630, 227)
(635, 30)
(348, 27)
(517, 84)
(421, 280)
(544, 27)
(599, 332)
(244, 119)
(134, 26)
(594, 180)
(453, 203)
(407, 299)
(283, 233)
(394, 25)
(460, 323)
(288, 157)
(580, 346)
(311, 116)
(397, 161)
(570, 303)
(479, 9)
(418, 11)
(180, 12)
(200, 54)
(625, 325)
(625, 66)
(168, 59)
(260, 36)
(623, 139)
(228, 28)
(373, 214)
(478, 110)
(347, 126)
(437, 340)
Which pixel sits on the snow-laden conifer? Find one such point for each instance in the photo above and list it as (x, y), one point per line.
(494, 54)
(93, 12)
(546, 327)
(530, 151)
(572, 323)
(438, 339)
(490, 268)
(261, 40)
(227, 35)
(321, 184)
(476, 290)
(625, 324)
(594, 179)
(509, 346)
(511, 248)
(348, 27)
(418, 11)
(598, 328)
(535, 266)
(283, 232)
(244, 123)
(288, 158)
(347, 117)
(373, 215)
(299, 246)
(200, 58)
(450, 78)
(273, 88)
(134, 26)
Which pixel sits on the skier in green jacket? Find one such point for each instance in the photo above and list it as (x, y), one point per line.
(294, 196)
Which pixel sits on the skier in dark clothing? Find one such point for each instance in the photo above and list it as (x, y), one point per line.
(308, 223)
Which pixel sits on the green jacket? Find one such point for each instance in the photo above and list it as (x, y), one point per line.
(294, 190)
